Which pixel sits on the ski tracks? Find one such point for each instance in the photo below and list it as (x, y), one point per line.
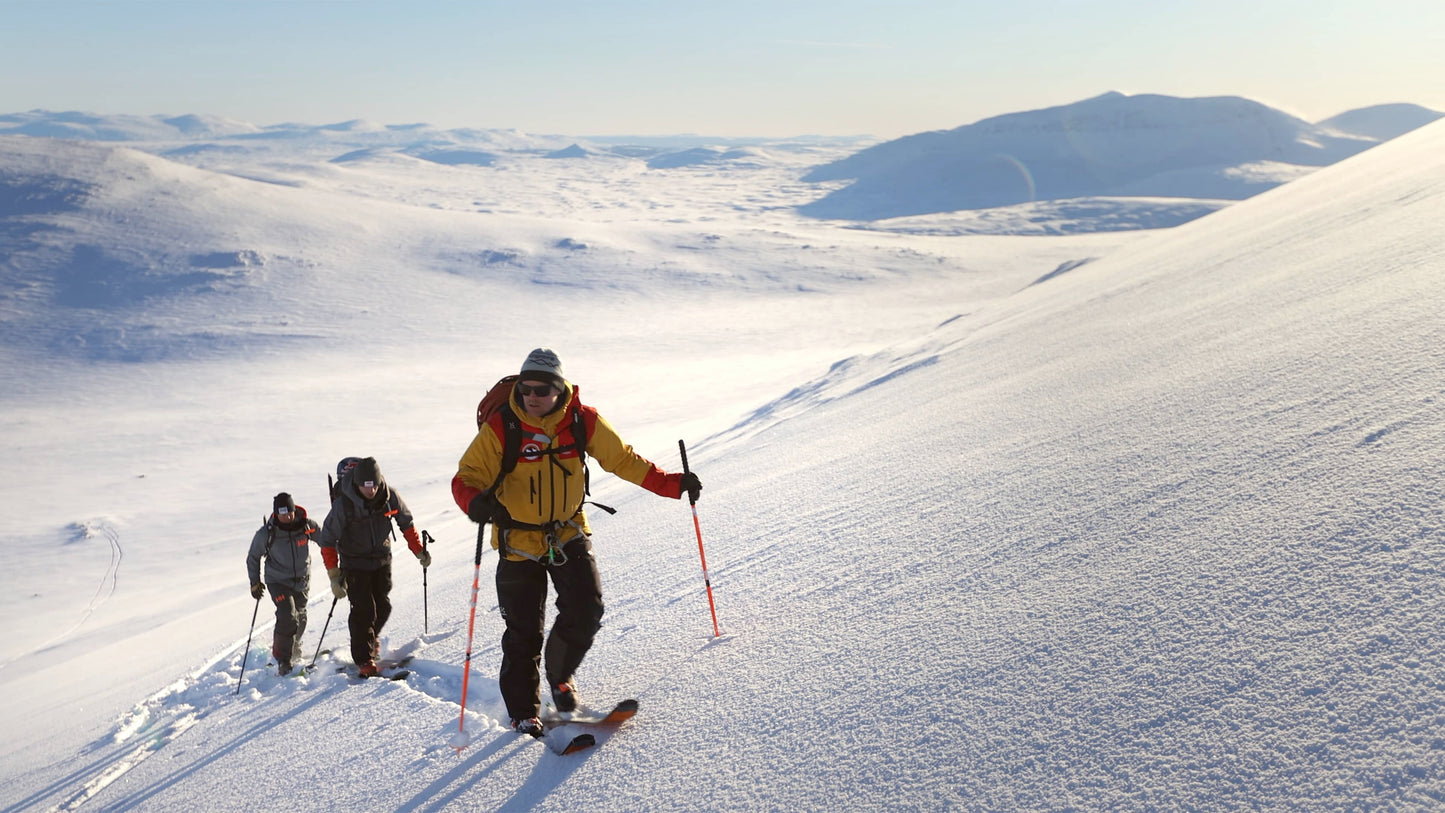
(103, 591)
(209, 691)
(154, 723)
(106, 588)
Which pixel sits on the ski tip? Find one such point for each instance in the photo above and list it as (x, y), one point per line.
(581, 742)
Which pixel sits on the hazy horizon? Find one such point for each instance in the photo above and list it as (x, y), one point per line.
(747, 71)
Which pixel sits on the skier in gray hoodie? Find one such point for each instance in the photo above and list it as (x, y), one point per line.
(282, 541)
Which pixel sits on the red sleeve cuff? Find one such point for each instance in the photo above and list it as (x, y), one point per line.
(663, 484)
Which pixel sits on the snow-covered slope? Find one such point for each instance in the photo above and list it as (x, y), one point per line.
(114, 253)
(1141, 146)
(1158, 530)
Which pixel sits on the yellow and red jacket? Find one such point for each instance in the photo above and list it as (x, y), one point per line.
(545, 489)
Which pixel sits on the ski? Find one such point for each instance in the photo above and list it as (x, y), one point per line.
(620, 713)
(571, 745)
(385, 670)
(581, 742)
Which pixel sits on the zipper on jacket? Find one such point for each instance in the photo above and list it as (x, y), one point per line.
(551, 482)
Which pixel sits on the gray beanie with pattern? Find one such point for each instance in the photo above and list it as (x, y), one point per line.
(543, 365)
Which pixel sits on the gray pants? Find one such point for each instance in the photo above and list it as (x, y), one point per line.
(290, 621)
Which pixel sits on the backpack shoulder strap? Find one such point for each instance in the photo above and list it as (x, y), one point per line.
(584, 423)
(580, 433)
(509, 430)
(270, 535)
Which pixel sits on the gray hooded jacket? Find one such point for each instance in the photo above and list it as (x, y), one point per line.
(288, 562)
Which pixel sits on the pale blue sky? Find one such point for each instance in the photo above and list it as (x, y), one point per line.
(732, 67)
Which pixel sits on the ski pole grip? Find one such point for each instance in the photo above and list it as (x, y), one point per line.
(682, 449)
(481, 536)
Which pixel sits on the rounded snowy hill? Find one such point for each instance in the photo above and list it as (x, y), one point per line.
(1383, 121)
(1111, 145)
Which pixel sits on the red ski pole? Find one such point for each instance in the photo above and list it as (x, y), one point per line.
(707, 582)
(461, 739)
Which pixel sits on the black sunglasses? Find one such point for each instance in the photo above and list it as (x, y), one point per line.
(538, 391)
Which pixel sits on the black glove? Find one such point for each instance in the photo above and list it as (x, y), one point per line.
(483, 508)
(691, 485)
(257, 589)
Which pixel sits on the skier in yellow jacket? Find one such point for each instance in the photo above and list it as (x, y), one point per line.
(540, 528)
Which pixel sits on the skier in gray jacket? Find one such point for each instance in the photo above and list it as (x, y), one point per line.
(282, 540)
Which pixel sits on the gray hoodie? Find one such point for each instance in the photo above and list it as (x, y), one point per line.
(288, 563)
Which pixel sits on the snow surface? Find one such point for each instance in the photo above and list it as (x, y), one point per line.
(1143, 520)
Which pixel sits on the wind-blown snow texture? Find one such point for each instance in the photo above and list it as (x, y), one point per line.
(1136, 521)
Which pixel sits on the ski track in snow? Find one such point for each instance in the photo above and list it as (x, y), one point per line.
(166, 716)
(104, 590)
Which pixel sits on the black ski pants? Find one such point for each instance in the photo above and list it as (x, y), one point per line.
(522, 597)
(290, 621)
(369, 592)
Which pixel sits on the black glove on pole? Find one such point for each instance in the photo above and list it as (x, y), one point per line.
(692, 495)
(481, 508)
(246, 653)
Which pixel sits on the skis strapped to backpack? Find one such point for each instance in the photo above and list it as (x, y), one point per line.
(343, 473)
